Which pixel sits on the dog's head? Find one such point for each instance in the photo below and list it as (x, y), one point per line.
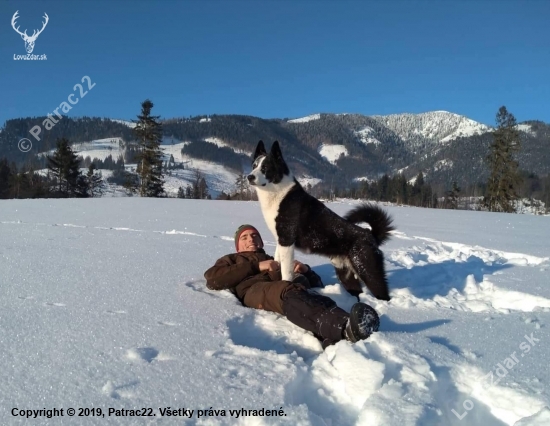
(268, 169)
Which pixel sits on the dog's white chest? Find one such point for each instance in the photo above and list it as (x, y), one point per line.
(270, 209)
(270, 203)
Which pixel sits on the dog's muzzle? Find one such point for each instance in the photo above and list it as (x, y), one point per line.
(251, 179)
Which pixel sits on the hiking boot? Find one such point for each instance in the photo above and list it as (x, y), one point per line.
(363, 321)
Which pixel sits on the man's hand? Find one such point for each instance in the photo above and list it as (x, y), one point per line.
(269, 265)
(299, 267)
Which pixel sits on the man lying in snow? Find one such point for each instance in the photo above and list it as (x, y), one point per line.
(255, 278)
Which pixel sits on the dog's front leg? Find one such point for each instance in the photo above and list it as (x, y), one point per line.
(286, 260)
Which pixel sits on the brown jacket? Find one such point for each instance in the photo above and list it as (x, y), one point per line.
(237, 272)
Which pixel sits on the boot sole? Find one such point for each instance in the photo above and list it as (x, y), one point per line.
(363, 321)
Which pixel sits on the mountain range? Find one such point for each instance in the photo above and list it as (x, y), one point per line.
(335, 148)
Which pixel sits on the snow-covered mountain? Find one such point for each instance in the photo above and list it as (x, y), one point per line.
(435, 126)
(338, 147)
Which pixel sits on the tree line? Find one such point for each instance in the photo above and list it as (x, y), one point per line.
(505, 186)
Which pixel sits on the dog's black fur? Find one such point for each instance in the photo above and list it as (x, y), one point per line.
(305, 222)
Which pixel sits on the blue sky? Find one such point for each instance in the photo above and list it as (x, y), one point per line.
(279, 58)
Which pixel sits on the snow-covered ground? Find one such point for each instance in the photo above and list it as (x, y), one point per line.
(104, 305)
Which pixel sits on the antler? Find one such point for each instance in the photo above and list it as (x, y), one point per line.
(42, 29)
(13, 19)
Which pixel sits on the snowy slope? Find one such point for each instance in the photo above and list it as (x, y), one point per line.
(332, 152)
(434, 126)
(130, 124)
(221, 143)
(305, 119)
(104, 305)
(217, 177)
(527, 128)
(365, 136)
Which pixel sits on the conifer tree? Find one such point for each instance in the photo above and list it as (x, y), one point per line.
(242, 185)
(6, 174)
(504, 179)
(149, 160)
(451, 197)
(181, 192)
(64, 166)
(203, 189)
(95, 182)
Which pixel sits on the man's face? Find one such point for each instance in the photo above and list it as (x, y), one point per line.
(249, 241)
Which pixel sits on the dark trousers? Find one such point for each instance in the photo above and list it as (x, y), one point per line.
(310, 311)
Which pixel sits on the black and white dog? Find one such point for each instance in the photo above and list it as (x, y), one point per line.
(299, 220)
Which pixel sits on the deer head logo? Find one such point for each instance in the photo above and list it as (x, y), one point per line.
(29, 40)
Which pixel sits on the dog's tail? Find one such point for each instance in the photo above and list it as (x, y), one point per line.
(379, 221)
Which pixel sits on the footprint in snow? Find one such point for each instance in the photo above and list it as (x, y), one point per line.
(54, 304)
(118, 392)
(148, 354)
(200, 286)
(168, 323)
(116, 312)
(145, 354)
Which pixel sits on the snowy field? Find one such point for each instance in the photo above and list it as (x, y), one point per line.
(104, 306)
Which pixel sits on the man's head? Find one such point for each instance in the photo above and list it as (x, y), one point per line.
(247, 238)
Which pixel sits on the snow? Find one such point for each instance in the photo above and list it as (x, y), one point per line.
(104, 305)
(98, 148)
(434, 126)
(364, 136)
(527, 128)
(305, 119)
(220, 143)
(363, 179)
(217, 177)
(465, 128)
(305, 180)
(125, 122)
(205, 120)
(332, 152)
(443, 164)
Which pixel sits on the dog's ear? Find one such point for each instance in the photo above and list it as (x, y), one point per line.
(276, 151)
(260, 150)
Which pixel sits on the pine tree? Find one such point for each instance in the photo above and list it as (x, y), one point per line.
(181, 192)
(64, 166)
(95, 182)
(6, 174)
(203, 189)
(241, 184)
(451, 197)
(149, 135)
(504, 180)
(417, 193)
